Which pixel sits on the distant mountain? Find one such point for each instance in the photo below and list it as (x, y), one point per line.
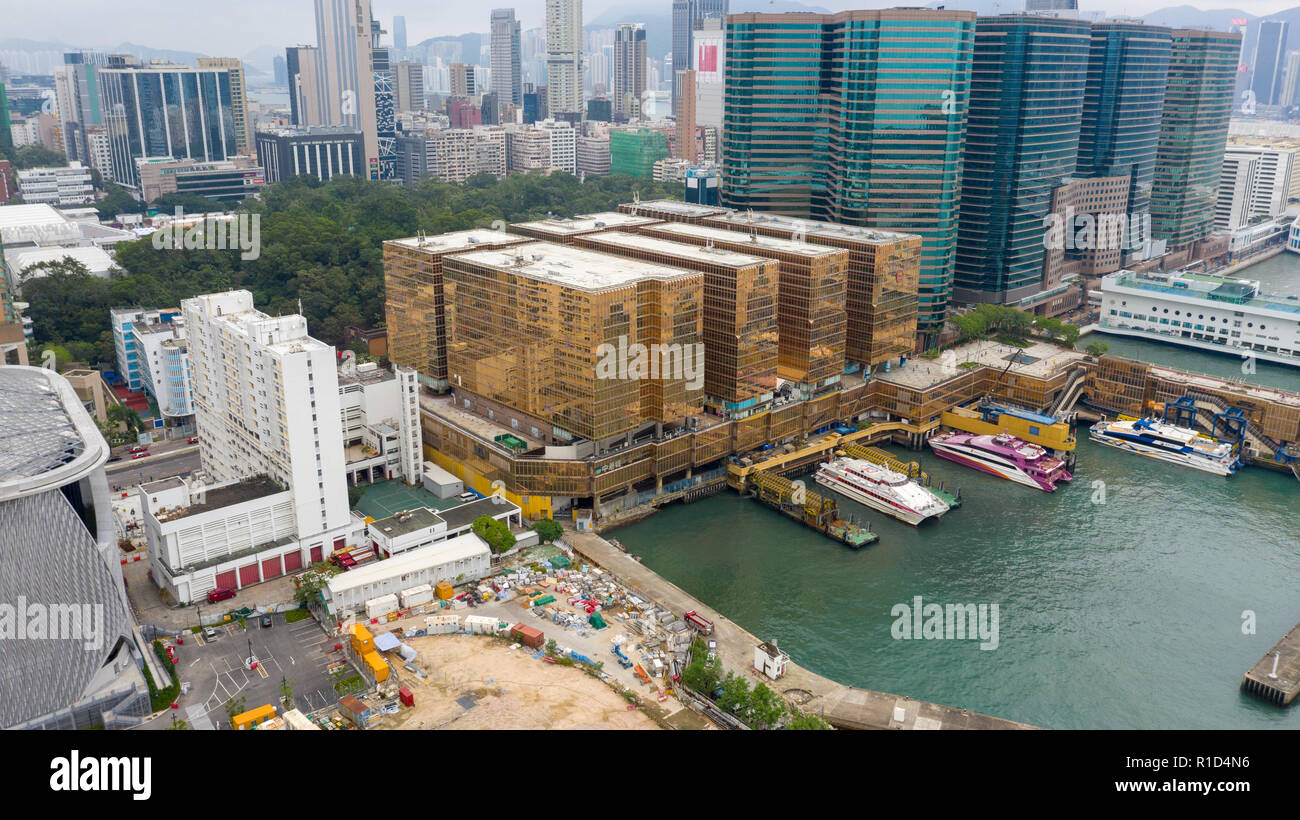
(146, 53)
(657, 15)
(1192, 17)
(259, 60)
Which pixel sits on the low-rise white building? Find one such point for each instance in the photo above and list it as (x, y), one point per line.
(413, 529)
(458, 560)
(380, 411)
(57, 186)
(225, 536)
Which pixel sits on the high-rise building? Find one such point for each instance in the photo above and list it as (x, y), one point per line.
(238, 100)
(634, 151)
(399, 36)
(345, 73)
(77, 95)
(1022, 142)
(591, 156)
(1051, 5)
(6, 139)
(1256, 181)
(564, 57)
(687, 17)
(266, 402)
(59, 541)
(414, 302)
(629, 69)
(710, 67)
(304, 105)
(686, 117)
(1125, 92)
(506, 58)
(555, 372)
(409, 86)
(834, 117)
(1193, 132)
(280, 69)
(462, 79)
(1270, 60)
(1290, 79)
(167, 110)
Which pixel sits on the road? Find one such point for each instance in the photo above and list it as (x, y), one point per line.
(129, 472)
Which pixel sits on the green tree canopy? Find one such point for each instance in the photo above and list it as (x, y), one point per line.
(498, 536)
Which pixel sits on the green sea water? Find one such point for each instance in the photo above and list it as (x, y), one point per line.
(1123, 599)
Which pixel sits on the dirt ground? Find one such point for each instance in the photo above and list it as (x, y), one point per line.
(511, 690)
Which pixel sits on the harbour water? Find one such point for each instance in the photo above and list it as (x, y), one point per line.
(1123, 598)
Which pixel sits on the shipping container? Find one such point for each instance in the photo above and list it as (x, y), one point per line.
(252, 717)
(384, 604)
(528, 636)
(362, 640)
(481, 624)
(415, 596)
(444, 591)
(442, 624)
(377, 665)
(407, 698)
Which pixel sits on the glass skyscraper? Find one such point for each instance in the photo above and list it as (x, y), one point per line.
(1022, 141)
(166, 111)
(1193, 133)
(1121, 106)
(857, 118)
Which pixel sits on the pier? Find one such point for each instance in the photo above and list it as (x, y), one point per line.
(844, 707)
(1276, 678)
(808, 507)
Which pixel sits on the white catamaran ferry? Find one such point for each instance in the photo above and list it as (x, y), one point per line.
(881, 489)
(1168, 442)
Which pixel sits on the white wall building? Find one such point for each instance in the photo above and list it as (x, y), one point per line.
(153, 356)
(380, 413)
(710, 63)
(457, 561)
(411, 529)
(266, 402)
(57, 186)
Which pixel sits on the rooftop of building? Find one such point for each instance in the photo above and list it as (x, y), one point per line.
(93, 258)
(467, 545)
(407, 522)
(365, 373)
(673, 206)
(35, 224)
(227, 495)
(1039, 359)
(768, 243)
(812, 227)
(572, 267)
(584, 223)
(1207, 288)
(466, 514)
(458, 241)
(666, 247)
(43, 428)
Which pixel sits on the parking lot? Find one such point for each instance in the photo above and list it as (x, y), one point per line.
(217, 670)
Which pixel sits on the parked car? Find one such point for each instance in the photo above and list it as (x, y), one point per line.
(139, 448)
(141, 455)
(114, 458)
(467, 496)
(266, 621)
(209, 634)
(220, 594)
(192, 440)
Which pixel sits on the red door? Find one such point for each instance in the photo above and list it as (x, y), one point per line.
(270, 568)
(226, 580)
(293, 561)
(317, 554)
(248, 575)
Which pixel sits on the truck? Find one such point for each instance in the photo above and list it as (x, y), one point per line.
(700, 624)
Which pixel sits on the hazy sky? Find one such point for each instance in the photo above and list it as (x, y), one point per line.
(235, 27)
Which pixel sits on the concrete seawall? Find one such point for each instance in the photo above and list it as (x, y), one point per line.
(844, 707)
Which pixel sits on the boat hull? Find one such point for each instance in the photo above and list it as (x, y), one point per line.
(1008, 473)
(1220, 468)
(907, 516)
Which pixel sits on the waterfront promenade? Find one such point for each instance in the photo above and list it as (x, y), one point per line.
(845, 707)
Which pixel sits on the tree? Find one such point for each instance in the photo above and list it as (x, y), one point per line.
(703, 674)
(1069, 334)
(548, 530)
(308, 584)
(735, 697)
(797, 719)
(37, 156)
(1097, 349)
(498, 536)
(124, 417)
(235, 707)
(178, 724)
(766, 707)
(117, 201)
(188, 203)
(286, 692)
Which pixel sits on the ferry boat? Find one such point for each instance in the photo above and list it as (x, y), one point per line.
(1168, 442)
(881, 488)
(1005, 456)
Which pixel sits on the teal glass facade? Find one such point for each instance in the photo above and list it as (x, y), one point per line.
(1022, 142)
(1125, 92)
(855, 118)
(1193, 133)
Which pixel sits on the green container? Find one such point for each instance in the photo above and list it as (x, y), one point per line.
(545, 599)
(561, 562)
(597, 621)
